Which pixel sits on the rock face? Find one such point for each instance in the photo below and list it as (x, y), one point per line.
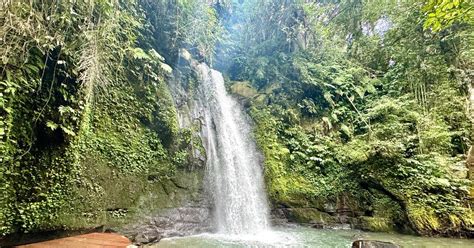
(373, 244)
(374, 224)
(310, 217)
(331, 217)
(182, 221)
(182, 208)
(192, 214)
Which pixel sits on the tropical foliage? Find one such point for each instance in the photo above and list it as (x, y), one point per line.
(359, 103)
(83, 88)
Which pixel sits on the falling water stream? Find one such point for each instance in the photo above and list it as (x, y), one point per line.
(233, 162)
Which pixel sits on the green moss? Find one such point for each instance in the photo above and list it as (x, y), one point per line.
(424, 219)
(125, 160)
(243, 89)
(107, 161)
(111, 200)
(376, 224)
(283, 185)
(311, 215)
(85, 135)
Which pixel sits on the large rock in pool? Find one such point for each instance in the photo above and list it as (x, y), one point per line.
(373, 244)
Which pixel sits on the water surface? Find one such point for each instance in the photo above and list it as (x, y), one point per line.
(307, 237)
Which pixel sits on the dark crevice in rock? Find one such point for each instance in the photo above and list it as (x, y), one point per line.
(177, 185)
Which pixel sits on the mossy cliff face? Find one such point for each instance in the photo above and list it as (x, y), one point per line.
(123, 159)
(88, 129)
(142, 162)
(312, 172)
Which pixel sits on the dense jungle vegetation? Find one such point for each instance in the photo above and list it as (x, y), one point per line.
(359, 104)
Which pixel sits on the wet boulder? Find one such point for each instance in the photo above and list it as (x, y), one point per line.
(373, 244)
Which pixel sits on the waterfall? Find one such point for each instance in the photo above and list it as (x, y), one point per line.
(233, 162)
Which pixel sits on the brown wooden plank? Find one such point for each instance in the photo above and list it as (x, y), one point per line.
(90, 240)
(101, 236)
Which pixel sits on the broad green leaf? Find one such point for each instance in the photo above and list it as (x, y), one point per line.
(53, 126)
(68, 131)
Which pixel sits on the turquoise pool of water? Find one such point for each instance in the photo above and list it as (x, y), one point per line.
(298, 236)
